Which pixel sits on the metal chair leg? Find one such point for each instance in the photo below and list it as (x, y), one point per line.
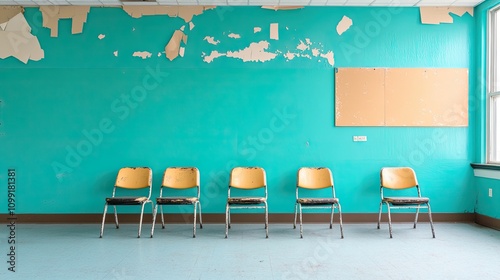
(379, 215)
(194, 220)
(227, 219)
(162, 219)
(416, 218)
(295, 217)
(300, 219)
(430, 220)
(389, 218)
(340, 222)
(154, 220)
(116, 218)
(331, 216)
(267, 221)
(103, 219)
(140, 221)
(201, 221)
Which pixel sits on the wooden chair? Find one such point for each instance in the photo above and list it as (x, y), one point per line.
(179, 178)
(401, 178)
(316, 179)
(131, 178)
(247, 178)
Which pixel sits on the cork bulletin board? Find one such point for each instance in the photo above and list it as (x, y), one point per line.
(401, 97)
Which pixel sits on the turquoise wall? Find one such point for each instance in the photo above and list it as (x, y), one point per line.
(71, 120)
(485, 205)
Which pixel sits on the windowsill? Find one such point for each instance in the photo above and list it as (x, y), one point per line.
(491, 171)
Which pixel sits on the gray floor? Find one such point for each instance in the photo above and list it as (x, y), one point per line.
(460, 251)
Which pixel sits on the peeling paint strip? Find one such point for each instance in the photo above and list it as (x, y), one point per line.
(437, 15)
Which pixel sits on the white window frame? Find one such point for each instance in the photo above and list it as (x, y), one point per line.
(493, 84)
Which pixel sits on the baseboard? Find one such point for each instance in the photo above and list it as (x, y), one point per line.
(487, 221)
(219, 218)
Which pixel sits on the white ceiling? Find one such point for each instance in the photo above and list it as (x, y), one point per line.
(470, 3)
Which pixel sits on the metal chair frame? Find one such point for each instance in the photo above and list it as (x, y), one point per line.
(320, 205)
(247, 205)
(180, 201)
(410, 204)
(128, 200)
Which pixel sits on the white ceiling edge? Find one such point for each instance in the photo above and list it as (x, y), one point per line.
(315, 3)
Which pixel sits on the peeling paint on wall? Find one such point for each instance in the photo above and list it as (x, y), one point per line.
(173, 47)
(52, 14)
(302, 46)
(234, 36)
(16, 39)
(8, 12)
(273, 32)
(101, 36)
(213, 55)
(211, 40)
(315, 52)
(329, 57)
(284, 8)
(344, 24)
(255, 52)
(185, 12)
(437, 15)
(142, 55)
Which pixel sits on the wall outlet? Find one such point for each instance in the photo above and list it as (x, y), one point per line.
(359, 138)
(490, 192)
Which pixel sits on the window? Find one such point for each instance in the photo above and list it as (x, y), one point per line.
(493, 94)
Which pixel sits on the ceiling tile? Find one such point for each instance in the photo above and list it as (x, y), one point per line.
(134, 3)
(187, 2)
(404, 3)
(42, 2)
(110, 1)
(358, 2)
(25, 2)
(85, 3)
(381, 3)
(435, 2)
(293, 2)
(336, 2)
(167, 2)
(263, 2)
(468, 3)
(318, 2)
(59, 2)
(212, 2)
(237, 2)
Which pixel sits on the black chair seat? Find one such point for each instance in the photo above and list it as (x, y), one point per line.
(246, 200)
(126, 200)
(406, 200)
(176, 200)
(318, 201)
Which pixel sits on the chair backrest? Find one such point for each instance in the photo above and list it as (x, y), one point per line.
(134, 178)
(181, 177)
(314, 178)
(398, 178)
(247, 178)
